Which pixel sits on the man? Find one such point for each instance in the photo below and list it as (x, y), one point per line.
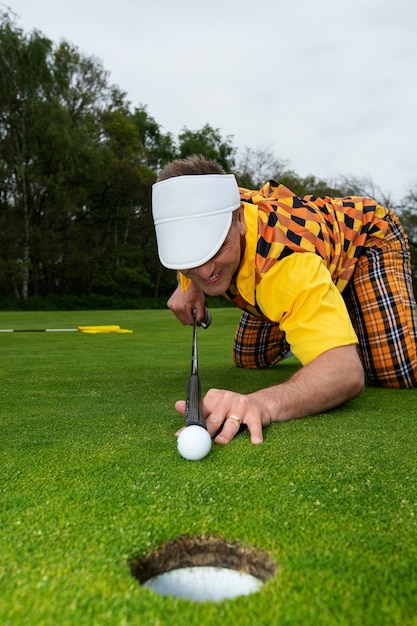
(327, 279)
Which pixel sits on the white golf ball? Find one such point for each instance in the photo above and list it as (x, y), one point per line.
(194, 443)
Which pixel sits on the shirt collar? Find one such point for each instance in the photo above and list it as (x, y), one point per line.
(245, 280)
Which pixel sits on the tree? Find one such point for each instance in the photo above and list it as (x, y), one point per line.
(77, 168)
(73, 168)
(256, 166)
(209, 143)
(354, 186)
(107, 222)
(76, 172)
(159, 148)
(407, 212)
(24, 76)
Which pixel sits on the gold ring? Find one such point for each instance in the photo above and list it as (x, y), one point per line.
(234, 417)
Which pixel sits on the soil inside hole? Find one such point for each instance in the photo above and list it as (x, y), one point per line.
(189, 552)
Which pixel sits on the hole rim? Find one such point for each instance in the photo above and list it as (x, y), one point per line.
(208, 551)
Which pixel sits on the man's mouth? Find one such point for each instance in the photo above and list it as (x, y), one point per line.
(213, 278)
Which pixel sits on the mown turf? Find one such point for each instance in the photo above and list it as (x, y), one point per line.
(90, 477)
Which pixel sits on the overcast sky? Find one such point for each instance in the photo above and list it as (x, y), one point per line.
(329, 85)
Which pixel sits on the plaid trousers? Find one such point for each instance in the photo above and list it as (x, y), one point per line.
(380, 301)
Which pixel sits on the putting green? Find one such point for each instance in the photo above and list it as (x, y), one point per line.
(91, 478)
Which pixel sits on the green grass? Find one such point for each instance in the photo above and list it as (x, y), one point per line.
(90, 477)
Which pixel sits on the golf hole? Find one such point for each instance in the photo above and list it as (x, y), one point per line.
(203, 569)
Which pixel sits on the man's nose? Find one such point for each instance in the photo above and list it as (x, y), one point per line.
(205, 271)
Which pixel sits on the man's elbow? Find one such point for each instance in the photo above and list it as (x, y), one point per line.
(357, 381)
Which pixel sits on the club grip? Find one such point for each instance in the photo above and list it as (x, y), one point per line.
(193, 409)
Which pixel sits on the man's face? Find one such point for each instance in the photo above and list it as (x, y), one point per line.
(215, 276)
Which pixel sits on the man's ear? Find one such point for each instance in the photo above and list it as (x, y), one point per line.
(241, 220)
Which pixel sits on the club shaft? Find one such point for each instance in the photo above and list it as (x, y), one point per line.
(194, 356)
(193, 406)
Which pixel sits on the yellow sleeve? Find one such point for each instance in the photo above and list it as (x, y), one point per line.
(184, 281)
(299, 294)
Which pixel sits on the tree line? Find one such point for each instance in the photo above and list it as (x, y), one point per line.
(77, 164)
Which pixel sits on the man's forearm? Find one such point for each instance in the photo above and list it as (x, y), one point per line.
(328, 381)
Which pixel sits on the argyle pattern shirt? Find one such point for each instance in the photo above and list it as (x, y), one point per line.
(336, 229)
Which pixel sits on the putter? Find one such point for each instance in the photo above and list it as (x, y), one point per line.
(193, 409)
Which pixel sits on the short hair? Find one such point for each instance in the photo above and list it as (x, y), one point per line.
(193, 165)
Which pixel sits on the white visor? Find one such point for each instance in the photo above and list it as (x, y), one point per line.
(192, 216)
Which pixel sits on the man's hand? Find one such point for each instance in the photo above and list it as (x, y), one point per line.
(182, 303)
(328, 381)
(226, 411)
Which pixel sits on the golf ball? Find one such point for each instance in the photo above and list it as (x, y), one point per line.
(194, 443)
